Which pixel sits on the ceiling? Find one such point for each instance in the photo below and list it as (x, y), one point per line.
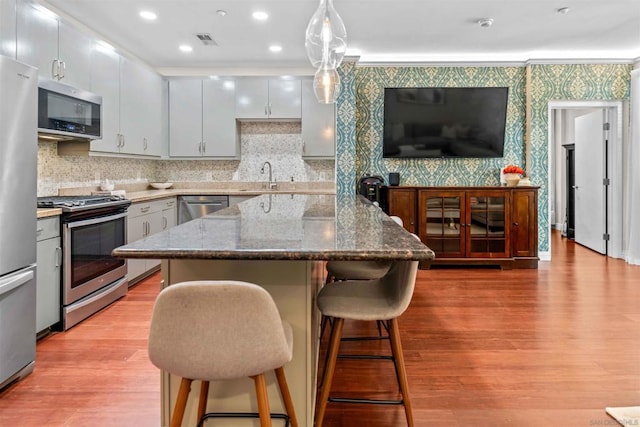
(379, 31)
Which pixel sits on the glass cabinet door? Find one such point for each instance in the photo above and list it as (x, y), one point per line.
(442, 219)
(487, 224)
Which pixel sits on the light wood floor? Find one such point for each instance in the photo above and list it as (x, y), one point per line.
(483, 347)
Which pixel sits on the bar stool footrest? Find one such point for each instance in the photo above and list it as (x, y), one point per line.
(208, 415)
(366, 401)
(365, 356)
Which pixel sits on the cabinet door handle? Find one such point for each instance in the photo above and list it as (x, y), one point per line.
(145, 209)
(144, 143)
(165, 222)
(515, 223)
(58, 256)
(269, 109)
(39, 230)
(204, 147)
(64, 69)
(200, 147)
(54, 69)
(265, 111)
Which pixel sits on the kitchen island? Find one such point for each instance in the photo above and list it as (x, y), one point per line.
(279, 242)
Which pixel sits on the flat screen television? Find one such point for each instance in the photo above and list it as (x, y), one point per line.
(444, 122)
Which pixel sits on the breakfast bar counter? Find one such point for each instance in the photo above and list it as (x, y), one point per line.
(280, 242)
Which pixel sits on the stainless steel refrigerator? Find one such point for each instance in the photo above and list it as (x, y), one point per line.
(18, 175)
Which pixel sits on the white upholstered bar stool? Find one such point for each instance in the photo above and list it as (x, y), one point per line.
(383, 299)
(220, 330)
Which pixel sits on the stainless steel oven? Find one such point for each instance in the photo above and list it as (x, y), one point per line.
(91, 277)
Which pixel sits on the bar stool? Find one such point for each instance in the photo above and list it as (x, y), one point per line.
(220, 330)
(383, 299)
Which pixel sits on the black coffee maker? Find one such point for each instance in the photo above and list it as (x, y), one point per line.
(371, 187)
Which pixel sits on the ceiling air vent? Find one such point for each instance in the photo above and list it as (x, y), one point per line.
(206, 39)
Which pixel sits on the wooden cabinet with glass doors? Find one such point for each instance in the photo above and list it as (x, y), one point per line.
(474, 225)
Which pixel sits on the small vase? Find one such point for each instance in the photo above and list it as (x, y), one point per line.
(512, 179)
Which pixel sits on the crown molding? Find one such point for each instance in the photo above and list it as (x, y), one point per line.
(541, 61)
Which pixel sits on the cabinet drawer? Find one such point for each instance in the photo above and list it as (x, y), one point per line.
(145, 208)
(48, 228)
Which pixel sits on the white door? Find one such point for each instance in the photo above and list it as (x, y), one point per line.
(590, 192)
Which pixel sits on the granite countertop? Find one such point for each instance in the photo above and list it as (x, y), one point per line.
(146, 195)
(286, 227)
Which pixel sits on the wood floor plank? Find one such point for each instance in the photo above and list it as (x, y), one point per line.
(483, 347)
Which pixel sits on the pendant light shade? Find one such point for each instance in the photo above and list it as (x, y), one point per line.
(326, 37)
(326, 85)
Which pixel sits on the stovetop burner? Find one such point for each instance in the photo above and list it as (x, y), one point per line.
(72, 203)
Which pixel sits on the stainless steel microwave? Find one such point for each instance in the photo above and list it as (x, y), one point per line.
(65, 112)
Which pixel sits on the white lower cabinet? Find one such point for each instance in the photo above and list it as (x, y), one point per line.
(143, 220)
(49, 260)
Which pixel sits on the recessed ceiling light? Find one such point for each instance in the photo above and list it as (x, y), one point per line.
(260, 16)
(185, 48)
(485, 22)
(148, 15)
(563, 10)
(221, 12)
(275, 48)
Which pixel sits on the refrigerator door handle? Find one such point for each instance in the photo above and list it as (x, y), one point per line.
(7, 285)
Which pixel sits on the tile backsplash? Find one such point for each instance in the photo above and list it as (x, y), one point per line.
(280, 143)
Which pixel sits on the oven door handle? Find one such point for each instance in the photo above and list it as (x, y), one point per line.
(92, 221)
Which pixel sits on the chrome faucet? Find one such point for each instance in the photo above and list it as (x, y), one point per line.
(272, 184)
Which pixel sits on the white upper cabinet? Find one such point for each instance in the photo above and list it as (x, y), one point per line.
(185, 118)
(58, 50)
(74, 52)
(131, 105)
(263, 98)
(318, 125)
(105, 81)
(140, 109)
(202, 118)
(8, 28)
(219, 133)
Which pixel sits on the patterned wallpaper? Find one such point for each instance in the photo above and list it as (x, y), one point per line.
(362, 153)
(370, 84)
(346, 131)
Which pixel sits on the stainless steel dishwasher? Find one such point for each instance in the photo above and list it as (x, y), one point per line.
(192, 207)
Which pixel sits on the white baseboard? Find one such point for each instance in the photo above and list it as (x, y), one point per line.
(544, 256)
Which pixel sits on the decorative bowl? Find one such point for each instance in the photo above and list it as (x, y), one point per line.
(161, 185)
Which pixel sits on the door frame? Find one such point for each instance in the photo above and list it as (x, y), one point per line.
(614, 164)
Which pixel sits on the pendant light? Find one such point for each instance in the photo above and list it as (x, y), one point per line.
(326, 85)
(326, 35)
